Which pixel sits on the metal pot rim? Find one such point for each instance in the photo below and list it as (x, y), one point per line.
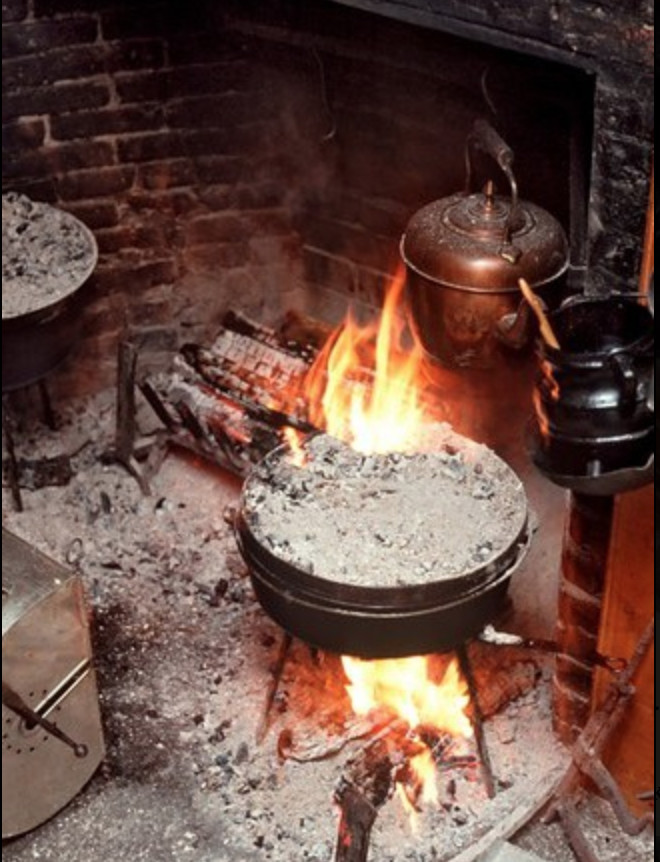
(430, 594)
(471, 288)
(43, 312)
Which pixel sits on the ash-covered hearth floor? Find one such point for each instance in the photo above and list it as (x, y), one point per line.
(183, 654)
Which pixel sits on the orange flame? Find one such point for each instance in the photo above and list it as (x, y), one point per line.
(403, 686)
(366, 388)
(365, 385)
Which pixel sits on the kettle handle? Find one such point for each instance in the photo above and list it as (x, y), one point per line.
(484, 136)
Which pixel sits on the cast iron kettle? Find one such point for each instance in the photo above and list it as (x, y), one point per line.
(464, 255)
(594, 425)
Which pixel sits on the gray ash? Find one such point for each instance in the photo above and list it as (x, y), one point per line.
(47, 254)
(387, 520)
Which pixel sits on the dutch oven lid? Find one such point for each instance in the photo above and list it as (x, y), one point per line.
(482, 241)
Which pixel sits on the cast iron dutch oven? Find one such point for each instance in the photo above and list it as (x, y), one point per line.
(464, 255)
(377, 622)
(36, 342)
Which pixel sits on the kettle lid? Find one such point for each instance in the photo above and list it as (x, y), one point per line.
(484, 242)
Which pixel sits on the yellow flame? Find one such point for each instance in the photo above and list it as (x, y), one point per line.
(365, 385)
(403, 685)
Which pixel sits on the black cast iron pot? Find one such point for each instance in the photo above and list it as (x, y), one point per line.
(593, 411)
(36, 342)
(376, 621)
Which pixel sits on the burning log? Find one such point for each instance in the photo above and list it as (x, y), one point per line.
(477, 720)
(231, 401)
(366, 784)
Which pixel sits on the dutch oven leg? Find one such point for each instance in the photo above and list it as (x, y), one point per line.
(477, 720)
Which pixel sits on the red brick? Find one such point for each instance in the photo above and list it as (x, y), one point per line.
(583, 613)
(206, 47)
(167, 174)
(146, 19)
(270, 222)
(97, 182)
(150, 147)
(219, 227)
(23, 133)
(110, 277)
(88, 124)
(13, 10)
(204, 258)
(223, 140)
(175, 201)
(135, 54)
(351, 241)
(202, 78)
(219, 169)
(95, 214)
(80, 61)
(59, 98)
(216, 111)
(37, 189)
(115, 239)
(142, 86)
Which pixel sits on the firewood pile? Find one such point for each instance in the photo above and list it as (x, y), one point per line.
(230, 401)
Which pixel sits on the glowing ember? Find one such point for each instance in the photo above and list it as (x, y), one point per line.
(365, 385)
(403, 687)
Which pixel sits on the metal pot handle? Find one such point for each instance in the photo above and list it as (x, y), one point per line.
(484, 136)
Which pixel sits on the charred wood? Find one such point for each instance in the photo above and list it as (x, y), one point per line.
(366, 784)
(477, 719)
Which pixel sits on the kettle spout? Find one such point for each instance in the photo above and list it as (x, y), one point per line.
(514, 329)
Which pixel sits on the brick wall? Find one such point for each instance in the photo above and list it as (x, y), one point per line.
(166, 137)
(260, 155)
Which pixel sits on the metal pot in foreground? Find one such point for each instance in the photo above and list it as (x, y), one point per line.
(374, 621)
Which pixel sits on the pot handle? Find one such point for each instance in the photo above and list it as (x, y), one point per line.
(484, 136)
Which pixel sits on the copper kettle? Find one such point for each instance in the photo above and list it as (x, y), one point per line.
(464, 255)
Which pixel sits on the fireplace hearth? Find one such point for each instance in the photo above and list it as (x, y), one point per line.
(270, 155)
(259, 162)
(185, 661)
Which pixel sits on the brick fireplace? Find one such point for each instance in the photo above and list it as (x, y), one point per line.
(267, 156)
(264, 156)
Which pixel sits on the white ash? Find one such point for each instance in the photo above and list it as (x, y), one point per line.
(47, 254)
(386, 520)
(184, 651)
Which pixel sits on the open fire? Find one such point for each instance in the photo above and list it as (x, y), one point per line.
(366, 384)
(403, 686)
(366, 388)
